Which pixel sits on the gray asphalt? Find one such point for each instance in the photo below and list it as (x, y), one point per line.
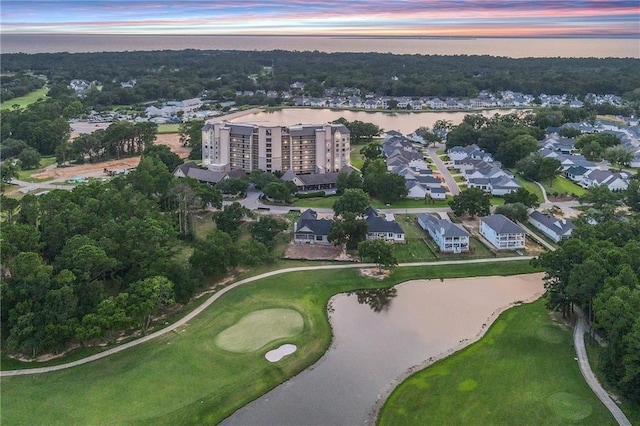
(448, 179)
(578, 341)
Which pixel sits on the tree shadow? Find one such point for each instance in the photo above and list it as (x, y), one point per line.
(378, 299)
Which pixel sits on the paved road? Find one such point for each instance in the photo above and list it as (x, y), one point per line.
(590, 378)
(448, 179)
(217, 295)
(52, 184)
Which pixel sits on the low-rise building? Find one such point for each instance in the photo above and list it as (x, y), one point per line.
(311, 230)
(383, 228)
(449, 237)
(554, 228)
(502, 233)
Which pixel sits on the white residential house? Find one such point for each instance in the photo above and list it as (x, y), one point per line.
(311, 230)
(449, 237)
(575, 173)
(556, 229)
(383, 228)
(437, 103)
(438, 193)
(502, 233)
(612, 180)
(497, 186)
(416, 190)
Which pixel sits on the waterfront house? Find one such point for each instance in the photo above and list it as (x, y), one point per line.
(502, 233)
(311, 230)
(383, 228)
(556, 229)
(449, 237)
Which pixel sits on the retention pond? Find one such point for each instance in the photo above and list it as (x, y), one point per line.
(380, 336)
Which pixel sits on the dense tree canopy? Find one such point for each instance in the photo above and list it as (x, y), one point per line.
(85, 264)
(379, 252)
(471, 201)
(219, 74)
(598, 269)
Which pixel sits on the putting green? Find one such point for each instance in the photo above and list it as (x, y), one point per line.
(569, 406)
(258, 328)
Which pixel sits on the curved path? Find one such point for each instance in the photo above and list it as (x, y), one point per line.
(217, 295)
(590, 378)
(544, 192)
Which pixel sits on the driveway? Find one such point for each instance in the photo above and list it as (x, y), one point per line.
(442, 168)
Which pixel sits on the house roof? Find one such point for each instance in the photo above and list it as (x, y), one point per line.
(237, 173)
(501, 224)
(378, 224)
(318, 178)
(577, 170)
(207, 176)
(288, 176)
(559, 226)
(309, 223)
(448, 228)
(371, 212)
(184, 168)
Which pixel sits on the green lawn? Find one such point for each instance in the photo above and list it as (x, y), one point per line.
(313, 203)
(168, 128)
(563, 186)
(25, 100)
(183, 377)
(522, 372)
(357, 160)
(26, 174)
(530, 186)
(411, 204)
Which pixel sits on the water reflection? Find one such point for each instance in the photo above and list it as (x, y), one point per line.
(378, 299)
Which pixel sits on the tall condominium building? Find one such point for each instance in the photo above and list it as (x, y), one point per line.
(322, 148)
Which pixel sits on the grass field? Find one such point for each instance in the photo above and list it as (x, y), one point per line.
(168, 128)
(522, 372)
(184, 377)
(530, 186)
(562, 186)
(26, 174)
(259, 328)
(25, 100)
(357, 160)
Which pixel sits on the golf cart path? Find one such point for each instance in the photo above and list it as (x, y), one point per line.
(590, 378)
(218, 294)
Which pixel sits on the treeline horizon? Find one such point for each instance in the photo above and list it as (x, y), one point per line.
(169, 74)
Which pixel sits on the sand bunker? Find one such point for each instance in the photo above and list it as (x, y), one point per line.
(279, 353)
(259, 328)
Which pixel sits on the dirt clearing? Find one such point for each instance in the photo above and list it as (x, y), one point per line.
(96, 170)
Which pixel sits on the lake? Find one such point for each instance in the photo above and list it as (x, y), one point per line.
(404, 122)
(509, 47)
(379, 335)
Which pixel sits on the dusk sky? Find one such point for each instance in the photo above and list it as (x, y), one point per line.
(325, 17)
